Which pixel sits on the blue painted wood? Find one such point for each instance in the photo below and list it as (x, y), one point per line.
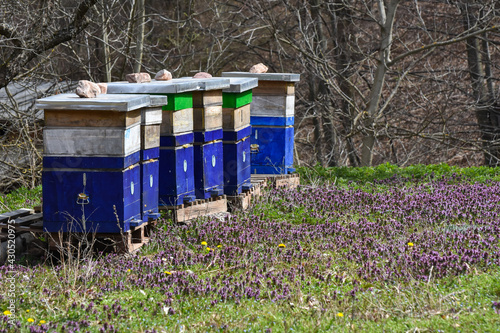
(237, 135)
(271, 121)
(206, 136)
(114, 199)
(68, 162)
(208, 169)
(274, 150)
(237, 170)
(150, 188)
(176, 140)
(149, 154)
(176, 175)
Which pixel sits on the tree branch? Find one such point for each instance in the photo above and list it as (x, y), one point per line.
(438, 44)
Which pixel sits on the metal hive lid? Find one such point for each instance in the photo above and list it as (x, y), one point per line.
(241, 84)
(174, 86)
(288, 77)
(110, 102)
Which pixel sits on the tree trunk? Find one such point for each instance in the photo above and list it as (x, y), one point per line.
(386, 28)
(482, 88)
(105, 43)
(325, 124)
(141, 13)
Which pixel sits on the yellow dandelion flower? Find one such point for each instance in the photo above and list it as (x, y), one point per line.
(340, 314)
(219, 246)
(7, 313)
(168, 273)
(31, 320)
(204, 243)
(42, 322)
(410, 244)
(282, 245)
(208, 249)
(128, 270)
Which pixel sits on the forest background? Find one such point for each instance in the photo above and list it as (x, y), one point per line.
(398, 81)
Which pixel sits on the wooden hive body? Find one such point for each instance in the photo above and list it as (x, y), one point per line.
(91, 168)
(272, 114)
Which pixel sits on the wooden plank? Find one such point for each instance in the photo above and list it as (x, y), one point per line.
(150, 136)
(5, 217)
(233, 119)
(175, 122)
(92, 141)
(274, 88)
(273, 106)
(207, 118)
(198, 208)
(90, 118)
(27, 220)
(276, 181)
(207, 98)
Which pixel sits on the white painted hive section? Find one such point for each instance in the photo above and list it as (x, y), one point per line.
(151, 116)
(273, 106)
(98, 142)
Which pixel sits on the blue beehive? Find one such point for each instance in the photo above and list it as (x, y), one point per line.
(272, 118)
(91, 172)
(237, 130)
(176, 161)
(151, 119)
(208, 149)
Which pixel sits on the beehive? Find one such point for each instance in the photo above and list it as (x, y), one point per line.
(151, 119)
(208, 149)
(236, 137)
(91, 162)
(272, 118)
(176, 168)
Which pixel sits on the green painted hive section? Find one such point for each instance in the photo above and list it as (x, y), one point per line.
(178, 101)
(236, 100)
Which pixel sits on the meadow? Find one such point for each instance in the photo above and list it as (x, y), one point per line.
(382, 249)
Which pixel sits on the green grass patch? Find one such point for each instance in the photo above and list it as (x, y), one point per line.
(21, 198)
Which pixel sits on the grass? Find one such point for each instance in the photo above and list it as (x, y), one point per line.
(347, 264)
(21, 198)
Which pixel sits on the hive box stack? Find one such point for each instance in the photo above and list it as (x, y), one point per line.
(208, 150)
(176, 163)
(151, 119)
(236, 138)
(91, 163)
(272, 118)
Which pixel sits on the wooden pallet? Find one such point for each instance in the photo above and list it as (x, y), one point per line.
(277, 181)
(126, 242)
(200, 207)
(28, 220)
(242, 201)
(23, 220)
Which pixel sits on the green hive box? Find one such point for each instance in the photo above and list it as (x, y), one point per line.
(236, 100)
(179, 101)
